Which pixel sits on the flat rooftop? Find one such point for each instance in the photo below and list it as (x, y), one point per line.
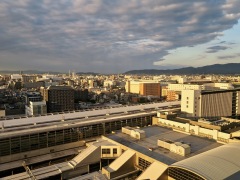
(71, 115)
(30, 129)
(153, 133)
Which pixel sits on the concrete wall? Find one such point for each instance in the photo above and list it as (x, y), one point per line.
(190, 102)
(196, 130)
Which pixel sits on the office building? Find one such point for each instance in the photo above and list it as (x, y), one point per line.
(150, 89)
(58, 98)
(133, 86)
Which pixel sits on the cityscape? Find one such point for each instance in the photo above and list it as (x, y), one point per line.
(119, 90)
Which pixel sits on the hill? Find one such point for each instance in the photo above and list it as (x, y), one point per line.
(230, 68)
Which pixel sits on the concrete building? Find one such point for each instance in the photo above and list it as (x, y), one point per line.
(152, 89)
(34, 104)
(133, 86)
(118, 155)
(36, 108)
(198, 103)
(58, 98)
(173, 95)
(52, 137)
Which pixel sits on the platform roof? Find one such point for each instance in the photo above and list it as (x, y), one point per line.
(58, 117)
(219, 163)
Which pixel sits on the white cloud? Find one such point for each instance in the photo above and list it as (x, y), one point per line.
(134, 32)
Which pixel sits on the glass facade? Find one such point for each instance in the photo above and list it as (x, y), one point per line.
(40, 140)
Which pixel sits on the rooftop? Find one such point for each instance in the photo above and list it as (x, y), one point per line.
(153, 133)
(58, 117)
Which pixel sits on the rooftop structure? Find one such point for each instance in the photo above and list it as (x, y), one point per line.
(149, 146)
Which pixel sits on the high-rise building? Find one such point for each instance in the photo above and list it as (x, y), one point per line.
(199, 103)
(58, 98)
(153, 89)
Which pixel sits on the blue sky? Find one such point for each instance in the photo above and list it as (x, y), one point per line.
(109, 36)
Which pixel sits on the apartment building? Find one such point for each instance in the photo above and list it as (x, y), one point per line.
(197, 103)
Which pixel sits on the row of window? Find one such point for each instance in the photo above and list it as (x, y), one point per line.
(48, 139)
(108, 151)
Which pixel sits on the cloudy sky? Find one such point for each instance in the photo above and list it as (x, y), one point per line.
(113, 36)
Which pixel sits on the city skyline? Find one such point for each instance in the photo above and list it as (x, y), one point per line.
(117, 36)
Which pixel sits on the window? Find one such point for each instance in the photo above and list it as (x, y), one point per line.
(114, 150)
(105, 151)
(186, 106)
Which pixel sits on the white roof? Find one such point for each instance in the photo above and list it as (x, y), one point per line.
(220, 163)
(72, 115)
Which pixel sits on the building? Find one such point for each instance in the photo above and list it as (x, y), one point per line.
(172, 95)
(34, 85)
(16, 77)
(152, 89)
(133, 86)
(33, 97)
(145, 152)
(197, 103)
(80, 95)
(35, 104)
(29, 78)
(36, 108)
(51, 137)
(58, 98)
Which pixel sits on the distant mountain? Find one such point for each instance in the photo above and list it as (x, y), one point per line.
(29, 72)
(230, 68)
(86, 73)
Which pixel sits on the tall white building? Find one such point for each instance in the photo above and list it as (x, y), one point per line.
(190, 102)
(197, 103)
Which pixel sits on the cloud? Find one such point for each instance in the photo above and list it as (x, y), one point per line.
(229, 56)
(215, 49)
(105, 35)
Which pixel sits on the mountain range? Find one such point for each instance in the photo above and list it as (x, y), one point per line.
(230, 68)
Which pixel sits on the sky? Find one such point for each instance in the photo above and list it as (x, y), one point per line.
(114, 36)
